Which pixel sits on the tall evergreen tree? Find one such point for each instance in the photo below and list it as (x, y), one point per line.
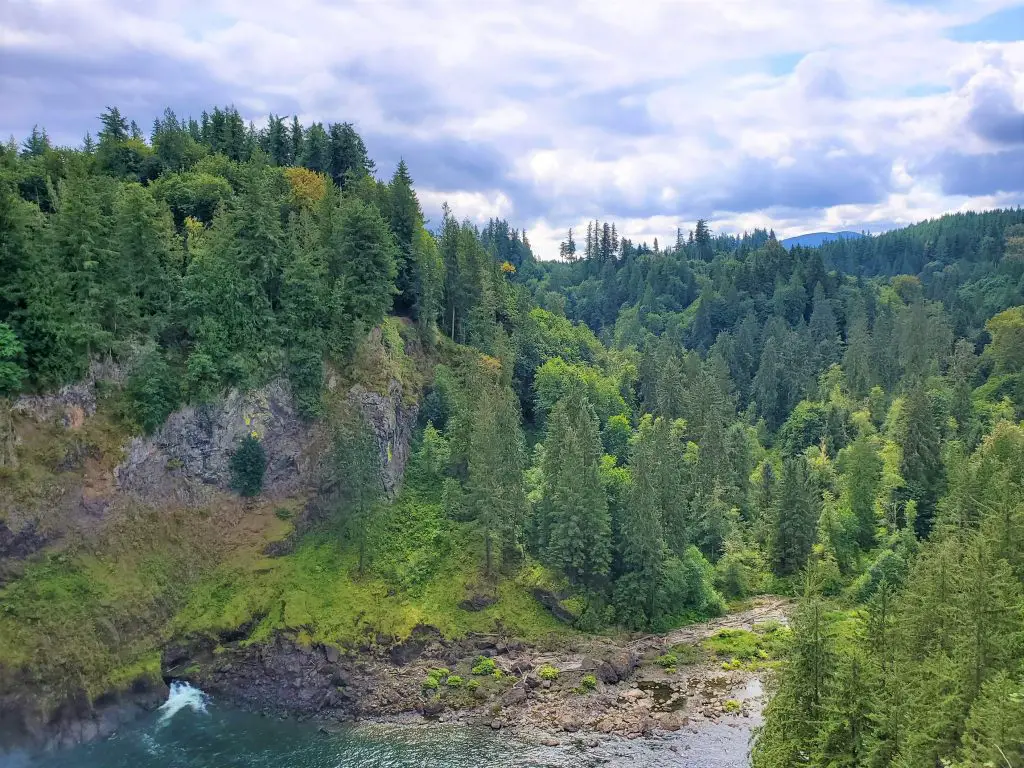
(578, 525)
(794, 518)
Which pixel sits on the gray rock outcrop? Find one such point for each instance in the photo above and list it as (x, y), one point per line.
(188, 458)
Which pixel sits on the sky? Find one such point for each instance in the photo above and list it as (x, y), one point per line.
(801, 115)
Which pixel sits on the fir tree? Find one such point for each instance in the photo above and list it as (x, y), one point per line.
(794, 518)
(578, 524)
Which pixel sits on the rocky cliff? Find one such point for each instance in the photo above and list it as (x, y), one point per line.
(79, 484)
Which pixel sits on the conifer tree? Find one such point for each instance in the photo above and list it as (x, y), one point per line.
(862, 474)
(578, 524)
(362, 257)
(406, 221)
(654, 503)
(794, 518)
(495, 473)
(922, 467)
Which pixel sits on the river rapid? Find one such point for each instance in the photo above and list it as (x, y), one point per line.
(192, 731)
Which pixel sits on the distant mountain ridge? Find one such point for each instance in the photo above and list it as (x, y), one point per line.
(813, 239)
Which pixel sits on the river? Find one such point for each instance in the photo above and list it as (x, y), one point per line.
(192, 731)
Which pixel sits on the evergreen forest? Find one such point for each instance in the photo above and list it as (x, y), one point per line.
(657, 431)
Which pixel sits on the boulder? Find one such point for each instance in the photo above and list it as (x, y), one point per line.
(515, 696)
(433, 707)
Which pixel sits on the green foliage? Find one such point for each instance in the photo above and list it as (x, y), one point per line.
(454, 681)
(686, 592)
(430, 683)
(575, 524)
(547, 672)
(1007, 345)
(484, 666)
(588, 682)
(153, 392)
(768, 642)
(556, 377)
(11, 352)
(616, 435)
(248, 465)
(666, 660)
(794, 518)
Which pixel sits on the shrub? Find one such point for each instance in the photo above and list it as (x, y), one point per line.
(732, 706)
(547, 672)
(484, 666)
(472, 685)
(454, 681)
(434, 678)
(282, 513)
(667, 660)
(589, 682)
(687, 654)
(248, 463)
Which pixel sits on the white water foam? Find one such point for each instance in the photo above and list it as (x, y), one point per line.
(182, 695)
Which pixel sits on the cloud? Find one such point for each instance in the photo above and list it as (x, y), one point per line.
(994, 114)
(981, 174)
(753, 112)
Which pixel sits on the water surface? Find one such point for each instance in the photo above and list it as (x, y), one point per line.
(192, 731)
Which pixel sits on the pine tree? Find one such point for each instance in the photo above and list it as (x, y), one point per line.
(362, 258)
(641, 542)
(922, 468)
(794, 518)
(316, 150)
(862, 475)
(305, 311)
(353, 481)
(823, 329)
(495, 472)
(295, 136)
(406, 221)
(574, 502)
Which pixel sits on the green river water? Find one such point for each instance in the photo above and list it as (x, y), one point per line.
(192, 731)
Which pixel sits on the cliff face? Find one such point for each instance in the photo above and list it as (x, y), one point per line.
(93, 490)
(187, 460)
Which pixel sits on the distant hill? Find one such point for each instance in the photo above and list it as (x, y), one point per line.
(813, 239)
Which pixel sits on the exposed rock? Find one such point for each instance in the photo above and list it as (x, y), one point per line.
(495, 725)
(514, 697)
(192, 451)
(421, 636)
(392, 423)
(433, 707)
(71, 404)
(551, 602)
(478, 602)
(76, 721)
(618, 665)
(20, 544)
(189, 457)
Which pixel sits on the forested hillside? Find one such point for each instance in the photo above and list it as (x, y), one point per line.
(648, 432)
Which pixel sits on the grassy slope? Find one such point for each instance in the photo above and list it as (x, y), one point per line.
(421, 567)
(91, 616)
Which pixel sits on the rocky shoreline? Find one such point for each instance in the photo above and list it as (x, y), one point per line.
(598, 686)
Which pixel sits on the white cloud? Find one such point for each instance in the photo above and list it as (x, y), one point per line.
(649, 113)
